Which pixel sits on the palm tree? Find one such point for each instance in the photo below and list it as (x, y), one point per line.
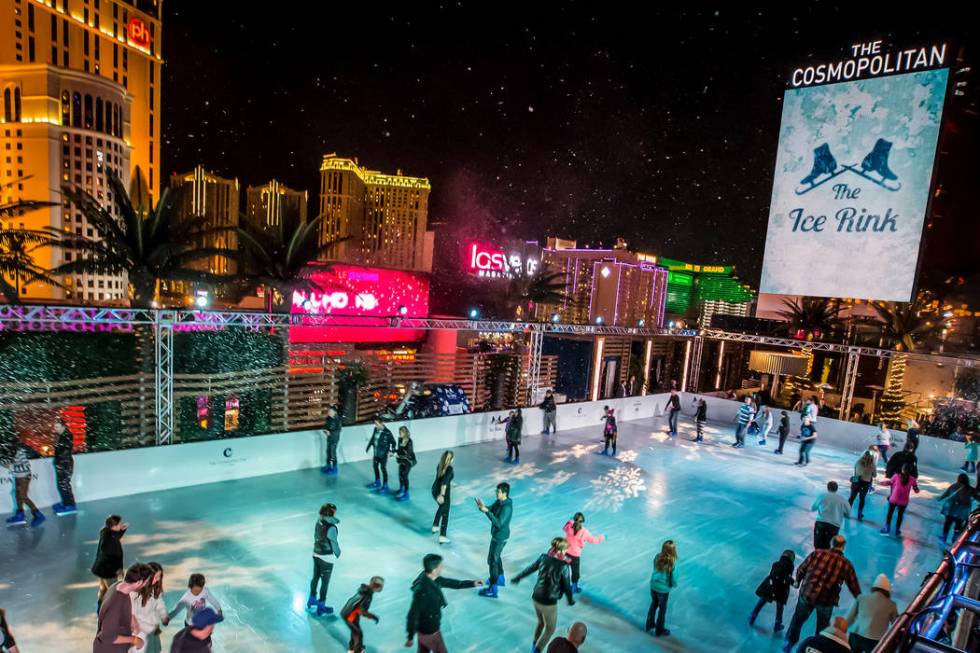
(17, 247)
(811, 317)
(145, 242)
(903, 326)
(524, 291)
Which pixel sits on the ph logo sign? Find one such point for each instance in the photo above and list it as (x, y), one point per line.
(139, 32)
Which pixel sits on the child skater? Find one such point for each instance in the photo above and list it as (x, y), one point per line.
(196, 598)
(405, 455)
(577, 535)
(515, 424)
(359, 606)
(775, 587)
(108, 563)
(662, 580)
(610, 431)
(700, 417)
(783, 431)
(972, 449)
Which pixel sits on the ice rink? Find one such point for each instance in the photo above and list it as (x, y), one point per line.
(731, 513)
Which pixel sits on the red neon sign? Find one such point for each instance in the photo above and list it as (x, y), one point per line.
(486, 258)
(139, 32)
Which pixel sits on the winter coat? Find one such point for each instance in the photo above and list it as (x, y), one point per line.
(109, 556)
(896, 462)
(63, 447)
(357, 605)
(514, 427)
(660, 581)
(826, 642)
(775, 586)
(405, 454)
(383, 442)
(871, 614)
(332, 426)
(325, 537)
(972, 450)
(548, 405)
(576, 541)
(702, 414)
(425, 613)
(957, 501)
(553, 579)
(499, 515)
(784, 426)
(447, 480)
(900, 491)
(673, 403)
(610, 430)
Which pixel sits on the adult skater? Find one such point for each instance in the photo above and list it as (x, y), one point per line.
(149, 611)
(109, 554)
(775, 588)
(905, 457)
(871, 615)
(499, 514)
(115, 632)
(832, 639)
(425, 613)
(552, 584)
(577, 535)
(441, 492)
(195, 637)
(865, 470)
(571, 642)
(912, 432)
(700, 417)
(20, 470)
(884, 439)
(359, 606)
(742, 420)
(662, 581)
(808, 437)
(831, 509)
(820, 577)
(64, 467)
(7, 641)
(405, 456)
(764, 419)
(331, 429)
(550, 413)
(326, 549)
(610, 431)
(673, 408)
(783, 431)
(515, 424)
(383, 443)
(957, 504)
(902, 485)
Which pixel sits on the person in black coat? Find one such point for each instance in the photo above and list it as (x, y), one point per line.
(783, 431)
(425, 613)
(552, 584)
(332, 430)
(499, 514)
(775, 588)
(904, 457)
(700, 418)
(515, 424)
(359, 606)
(383, 443)
(108, 563)
(550, 410)
(405, 456)
(64, 467)
(673, 408)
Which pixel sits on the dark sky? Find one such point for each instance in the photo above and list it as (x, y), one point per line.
(571, 119)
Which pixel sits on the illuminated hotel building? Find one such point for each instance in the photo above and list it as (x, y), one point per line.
(203, 194)
(80, 83)
(383, 216)
(697, 292)
(267, 205)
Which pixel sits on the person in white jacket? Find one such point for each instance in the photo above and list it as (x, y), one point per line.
(150, 612)
(196, 598)
(764, 420)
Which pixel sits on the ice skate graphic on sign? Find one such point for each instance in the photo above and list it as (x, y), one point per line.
(877, 161)
(824, 163)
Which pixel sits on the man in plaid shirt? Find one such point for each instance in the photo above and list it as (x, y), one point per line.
(820, 577)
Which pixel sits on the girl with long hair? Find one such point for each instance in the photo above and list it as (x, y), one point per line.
(577, 535)
(902, 485)
(957, 504)
(108, 563)
(149, 610)
(864, 473)
(442, 493)
(405, 456)
(552, 584)
(663, 579)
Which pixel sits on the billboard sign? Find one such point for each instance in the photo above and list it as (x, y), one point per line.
(494, 262)
(853, 177)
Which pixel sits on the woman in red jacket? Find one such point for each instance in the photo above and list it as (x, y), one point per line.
(577, 535)
(902, 484)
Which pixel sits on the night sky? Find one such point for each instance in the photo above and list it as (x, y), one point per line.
(532, 119)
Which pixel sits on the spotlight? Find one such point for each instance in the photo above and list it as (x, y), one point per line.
(474, 313)
(598, 319)
(555, 317)
(642, 323)
(201, 298)
(670, 325)
(403, 310)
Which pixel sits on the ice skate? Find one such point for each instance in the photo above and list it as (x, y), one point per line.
(38, 519)
(311, 603)
(444, 540)
(824, 165)
(322, 609)
(373, 486)
(17, 519)
(877, 162)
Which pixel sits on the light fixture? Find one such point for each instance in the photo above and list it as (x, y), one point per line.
(642, 323)
(555, 317)
(474, 313)
(670, 325)
(605, 271)
(403, 310)
(598, 319)
(201, 298)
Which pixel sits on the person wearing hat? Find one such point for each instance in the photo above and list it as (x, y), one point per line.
(832, 639)
(196, 638)
(870, 616)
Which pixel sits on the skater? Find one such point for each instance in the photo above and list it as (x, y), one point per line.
(405, 456)
(195, 599)
(972, 449)
(550, 410)
(499, 514)
(195, 637)
(764, 419)
(871, 615)
(905, 457)
(884, 439)
(912, 432)
(700, 417)
(808, 436)
(326, 549)
(609, 431)
(332, 429)
(957, 505)
(865, 470)
(571, 642)
(20, 469)
(742, 419)
(7, 641)
(783, 431)
(383, 443)
(359, 606)
(149, 610)
(109, 555)
(441, 492)
(832, 639)
(515, 424)
(552, 584)
(64, 466)
(673, 408)
(902, 485)
(425, 613)
(116, 632)
(820, 577)
(831, 510)
(662, 580)
(775, 588)
(577, 535)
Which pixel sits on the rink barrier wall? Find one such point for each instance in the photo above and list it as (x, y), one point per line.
(126, 472)
(936, 453)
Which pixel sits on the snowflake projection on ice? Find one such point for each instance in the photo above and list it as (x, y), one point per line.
(613, 488)
(463, 492)
(545, 485)
(660, 436)
(628, 455)
(576, 451)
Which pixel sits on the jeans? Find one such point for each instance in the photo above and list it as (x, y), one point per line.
(381, 469)
(782, 441)
(740, 432)
(762, 603)
(63, 469)
(805, 453)
(823, 533)
(803, 611)
(494, 562)
(550, 421)
(332, 451)
(513, 449)
(22, 486)
(321, 574)
(952, 521)
(861, 644)
(672, 421)
(576, 564)
(658, 611)
(859, 489)
(403, 469)
(356, 643)
(891, 511)
(442, 517)
(883, 450)
(547, 620)
(431, 643)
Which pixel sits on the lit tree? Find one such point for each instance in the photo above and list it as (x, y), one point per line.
(903, 326)
(811, 317)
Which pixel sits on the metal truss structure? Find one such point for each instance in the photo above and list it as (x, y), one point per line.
(535, 340)
(850, 383)
(694, 374)
(164, 376)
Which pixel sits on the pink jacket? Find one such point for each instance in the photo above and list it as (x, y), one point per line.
(576, 541)
(900, 493)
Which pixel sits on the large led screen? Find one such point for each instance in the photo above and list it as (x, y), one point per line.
(851, 187)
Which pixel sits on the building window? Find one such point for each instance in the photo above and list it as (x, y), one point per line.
(76, 111)
(30, 49)
(99, 124)
(108, 117)
(65, 108)
(88, 111)
(8, 106)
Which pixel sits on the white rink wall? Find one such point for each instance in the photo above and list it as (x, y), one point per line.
(132, 471)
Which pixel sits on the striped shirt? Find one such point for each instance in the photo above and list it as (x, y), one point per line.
(745, 414)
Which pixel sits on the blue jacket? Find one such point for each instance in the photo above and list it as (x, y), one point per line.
(661, 582)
